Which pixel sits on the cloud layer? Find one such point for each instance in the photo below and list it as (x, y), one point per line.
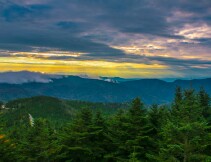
(25, 77)
(175, 34)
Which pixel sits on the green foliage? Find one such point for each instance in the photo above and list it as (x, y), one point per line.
(38, 143)
(130, 133)
(204, 103)
(55, 110)
(177, 101)
(8, 149)
(84, 139)
(87, 132)
(186, 136)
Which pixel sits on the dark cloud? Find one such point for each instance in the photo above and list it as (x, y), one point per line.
(127, 16)
(205, 41)
(24, 39)
(68, 25)
(91, 26)
(15, 12)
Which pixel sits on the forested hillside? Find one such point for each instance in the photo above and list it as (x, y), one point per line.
(94, 90)
(53, 109)
(89, 133)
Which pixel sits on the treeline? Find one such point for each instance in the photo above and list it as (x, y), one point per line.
(57, 111)
(180, 132)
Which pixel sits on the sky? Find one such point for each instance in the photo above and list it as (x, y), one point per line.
(124, 38)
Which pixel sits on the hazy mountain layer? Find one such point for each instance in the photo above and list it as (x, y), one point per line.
(77, 88)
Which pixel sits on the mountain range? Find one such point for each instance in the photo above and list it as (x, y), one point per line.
(96, 90)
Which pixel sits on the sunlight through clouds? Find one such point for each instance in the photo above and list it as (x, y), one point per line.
(111, 38)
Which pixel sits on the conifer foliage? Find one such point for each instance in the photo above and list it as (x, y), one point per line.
(179, 132)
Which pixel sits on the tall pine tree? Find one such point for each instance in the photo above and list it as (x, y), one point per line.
(130, 132)
(185, 136)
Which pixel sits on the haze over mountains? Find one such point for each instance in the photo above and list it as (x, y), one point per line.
(25, 84)
(25, 77)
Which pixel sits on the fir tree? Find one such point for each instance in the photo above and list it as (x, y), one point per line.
(39, 142)
(204, 103)
(8, 148)
(131, 132)
(177, 103)
(185, 136)
(77, 142)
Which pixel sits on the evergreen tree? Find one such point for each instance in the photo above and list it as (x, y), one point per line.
(118, 135)
(204, 103)
(177, 103)
(179, 133)
(100, 138)
(7, 148)
(39, 142)
(155, 118)
(158, 116)
(80, 138)
(131, 133)
(185, 137)
(139, 131)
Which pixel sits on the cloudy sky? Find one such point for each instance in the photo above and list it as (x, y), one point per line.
(126, 38)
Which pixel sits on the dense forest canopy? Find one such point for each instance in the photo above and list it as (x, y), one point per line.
(107, 132)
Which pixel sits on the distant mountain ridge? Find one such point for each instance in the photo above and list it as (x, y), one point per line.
(116, 79)
(26, 77)
(95, 90)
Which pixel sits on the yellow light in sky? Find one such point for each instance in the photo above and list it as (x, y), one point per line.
(143, 50)
(89, 67)
(48, 54)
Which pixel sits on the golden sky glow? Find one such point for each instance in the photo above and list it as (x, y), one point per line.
(62, 62)
(107, 38)
(92, 68)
